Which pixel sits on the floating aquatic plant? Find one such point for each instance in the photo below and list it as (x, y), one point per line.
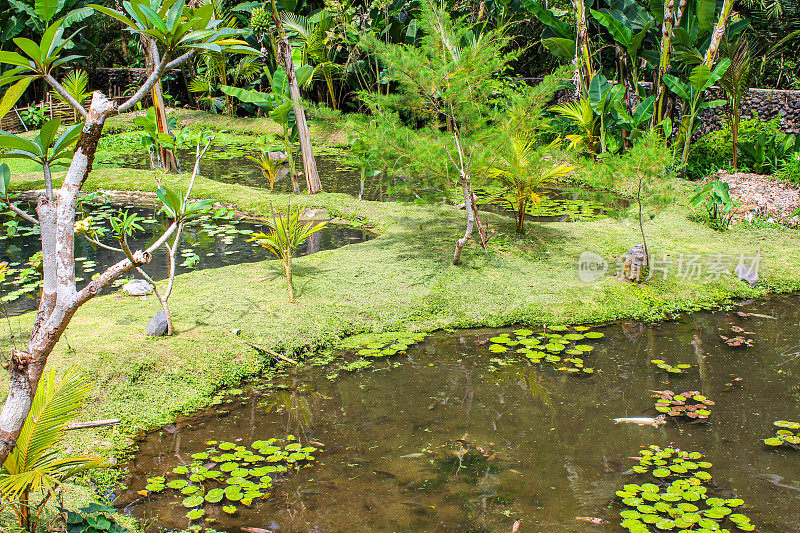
(680, 368)
(788, 434)
(687, 405)
(244, 473)
(390, 344)
(677, 496)
(555, 346)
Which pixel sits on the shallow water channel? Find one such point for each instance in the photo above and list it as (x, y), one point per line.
(229, 164)
(209, 242)
(444, 439)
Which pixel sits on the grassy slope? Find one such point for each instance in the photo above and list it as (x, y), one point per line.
(402, 279)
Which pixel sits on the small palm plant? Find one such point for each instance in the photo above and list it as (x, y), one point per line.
(581, 115)
(286, 234)
(75, 83)
(35, 469)
(521, 169)
(267, 165)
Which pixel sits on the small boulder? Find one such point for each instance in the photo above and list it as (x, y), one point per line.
(314, 215)
(157, 326)
(746, 273)
(277, 156)
(137, 287)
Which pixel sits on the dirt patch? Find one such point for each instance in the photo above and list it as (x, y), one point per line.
(762, 196)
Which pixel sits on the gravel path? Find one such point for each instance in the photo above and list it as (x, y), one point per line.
(762, 195)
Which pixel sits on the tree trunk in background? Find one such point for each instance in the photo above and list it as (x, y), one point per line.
(168, 160)
(719, 32)
(663, 64)
(583, 63)
(679, 13)
(735, 135)
(285, 57)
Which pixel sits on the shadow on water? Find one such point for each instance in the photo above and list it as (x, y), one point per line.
(440, 439)
(209, 242)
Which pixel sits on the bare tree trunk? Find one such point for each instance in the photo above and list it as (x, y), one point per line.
(172, 250)
(663, 64)
(309, 163)
(470, 221)
(719, 32)
(60, 298)
(167, 157)
(287, 266)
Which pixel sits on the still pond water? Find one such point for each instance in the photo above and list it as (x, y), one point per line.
(442, 439)
(209, 242)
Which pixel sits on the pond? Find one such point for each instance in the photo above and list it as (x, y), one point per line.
(229, 164)
(209, 242)
(455, 435)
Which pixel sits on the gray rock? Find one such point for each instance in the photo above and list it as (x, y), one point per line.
(137, 287)
(157, 326)
(314, 214)
(745, 273)
(277, 156)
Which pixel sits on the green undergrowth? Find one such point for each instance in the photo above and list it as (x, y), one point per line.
(401, 281)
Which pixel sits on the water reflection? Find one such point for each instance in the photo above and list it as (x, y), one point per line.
(443, 442)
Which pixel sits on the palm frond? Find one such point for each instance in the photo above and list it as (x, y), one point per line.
(299, 24)
(56, 403)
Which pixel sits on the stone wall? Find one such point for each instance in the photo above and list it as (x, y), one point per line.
(766, 103)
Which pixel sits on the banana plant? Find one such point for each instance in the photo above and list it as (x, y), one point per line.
(603, 97)
(280, 108)
(628, 35)
(691, 91)
(559, 36)
(635, 123)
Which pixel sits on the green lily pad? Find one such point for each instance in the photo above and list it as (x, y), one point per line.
(194, 514)
(193, 501)
(215, 495)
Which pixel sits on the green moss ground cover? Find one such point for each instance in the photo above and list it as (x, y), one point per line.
(402, 280)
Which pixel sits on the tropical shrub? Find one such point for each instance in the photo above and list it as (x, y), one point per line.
(286, 234)
(33, 117)
(521, 169)
(715, 196)
(714, 150)
(94, 518)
